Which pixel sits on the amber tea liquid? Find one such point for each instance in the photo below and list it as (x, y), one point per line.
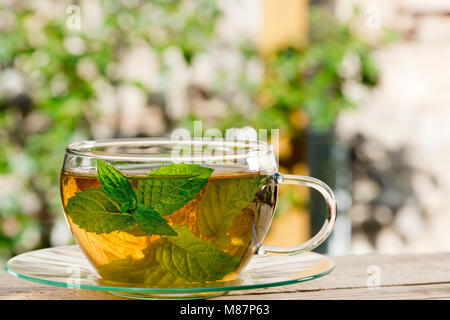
(222, 214)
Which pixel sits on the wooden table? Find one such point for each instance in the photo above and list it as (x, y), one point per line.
(355, 277)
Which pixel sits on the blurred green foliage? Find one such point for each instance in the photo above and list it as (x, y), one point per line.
(56, 103)
(309, 77)
(52, 103)
(303, 88)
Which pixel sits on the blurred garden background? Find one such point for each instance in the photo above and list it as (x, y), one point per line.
(357, 89)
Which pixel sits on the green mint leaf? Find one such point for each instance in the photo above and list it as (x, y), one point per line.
(193, 259)
(183, 170)
(159, 276)
(136, 231)
(151, 222)
(116, 186)
(222, 201)
(145, 270)
(168, 188)
(93, 211)
(130, 269)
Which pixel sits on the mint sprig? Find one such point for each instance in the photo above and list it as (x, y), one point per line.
(117, 206)
(177, 257)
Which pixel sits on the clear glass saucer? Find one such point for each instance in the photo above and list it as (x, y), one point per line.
(67, 267)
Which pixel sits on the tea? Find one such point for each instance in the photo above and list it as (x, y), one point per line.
(176, 225)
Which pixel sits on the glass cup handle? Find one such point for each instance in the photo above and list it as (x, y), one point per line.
(328, 225)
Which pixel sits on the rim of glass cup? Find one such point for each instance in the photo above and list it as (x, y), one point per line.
(249, 149)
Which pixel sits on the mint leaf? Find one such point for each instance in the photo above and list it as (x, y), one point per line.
(168, 188)
(183, 170)
(223, 200)
(130, 269)
(158, 276)
(116, 186)
(151, 222)
(193, 259)
(140, 271)
(93, 211)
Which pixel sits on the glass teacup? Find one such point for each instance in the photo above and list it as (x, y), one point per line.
(163, 213)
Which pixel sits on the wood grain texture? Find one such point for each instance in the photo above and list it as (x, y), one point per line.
(401, 277)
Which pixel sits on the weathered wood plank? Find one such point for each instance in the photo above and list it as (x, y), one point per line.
(351, 272)
(401, 277)
(12, 288)
(409, 292)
